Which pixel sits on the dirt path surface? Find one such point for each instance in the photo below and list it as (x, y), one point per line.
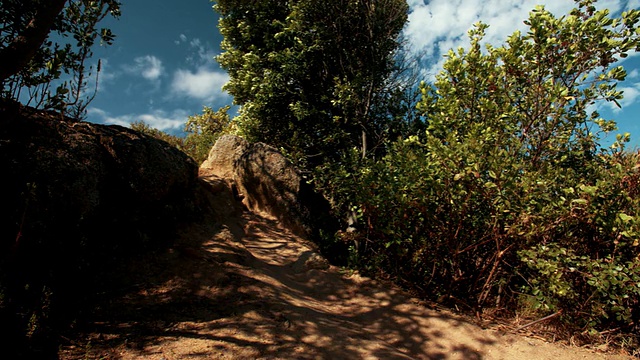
(248, 289)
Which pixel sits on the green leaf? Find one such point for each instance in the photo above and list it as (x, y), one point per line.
(490, 185)
(590, 190)
(625, 218)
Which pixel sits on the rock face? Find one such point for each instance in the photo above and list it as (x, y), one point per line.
(76, 198)
(309, 260)
(267, 182)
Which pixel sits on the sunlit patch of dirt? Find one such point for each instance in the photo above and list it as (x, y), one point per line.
(233, 288)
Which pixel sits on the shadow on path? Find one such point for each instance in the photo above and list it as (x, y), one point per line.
(230, 291)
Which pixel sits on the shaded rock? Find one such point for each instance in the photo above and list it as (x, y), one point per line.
(267, 182)
(77, 198)
(309, 260)
(87, 180)
(219, 194)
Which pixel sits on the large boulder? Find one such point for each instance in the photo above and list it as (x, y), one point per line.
(76, 199)
(267, 182)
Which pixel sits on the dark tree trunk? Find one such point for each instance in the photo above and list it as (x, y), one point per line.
(17, 54)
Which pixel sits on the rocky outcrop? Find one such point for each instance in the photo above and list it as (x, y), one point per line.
(267, 182)
(224, 157)
(76, 199)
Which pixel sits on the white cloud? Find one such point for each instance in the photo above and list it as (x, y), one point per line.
(182, 38)
(203, 54)
(195, 43)
(206, 81)
(203, 84)
(158, 119)
(148, 66)
(435, 26)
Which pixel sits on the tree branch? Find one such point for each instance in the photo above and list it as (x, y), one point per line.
(17, 54)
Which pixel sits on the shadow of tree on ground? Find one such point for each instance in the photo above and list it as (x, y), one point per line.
(228, 290)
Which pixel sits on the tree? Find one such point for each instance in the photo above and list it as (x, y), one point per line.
(308, 74)
(508, 198)
(539, 86)
(34, 61)
(28, 38)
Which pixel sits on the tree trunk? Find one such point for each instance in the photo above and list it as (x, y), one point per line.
(17, 54)
(364, 144)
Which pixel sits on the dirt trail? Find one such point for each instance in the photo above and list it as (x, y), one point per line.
(242, 291)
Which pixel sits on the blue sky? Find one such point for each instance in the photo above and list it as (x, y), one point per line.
(161, 68)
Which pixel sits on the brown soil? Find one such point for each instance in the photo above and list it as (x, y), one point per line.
(240, 290)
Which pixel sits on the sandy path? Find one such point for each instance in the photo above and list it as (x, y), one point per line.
(242, 291)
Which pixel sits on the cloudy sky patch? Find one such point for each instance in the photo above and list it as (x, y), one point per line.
(203, 84)
(177, 42)
(147, 66)
(150, 66)
(159, 119)
(436, 26)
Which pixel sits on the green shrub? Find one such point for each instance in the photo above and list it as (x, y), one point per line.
(202, 132)
(508, 191)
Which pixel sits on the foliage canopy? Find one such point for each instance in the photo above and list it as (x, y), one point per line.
(42, 41)
(310, 75)
(508, 199)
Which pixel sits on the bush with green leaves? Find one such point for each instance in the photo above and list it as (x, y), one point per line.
(202, 132)
(508, 198)
(143, 127)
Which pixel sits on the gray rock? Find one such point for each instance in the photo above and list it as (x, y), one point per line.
(267, 182)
